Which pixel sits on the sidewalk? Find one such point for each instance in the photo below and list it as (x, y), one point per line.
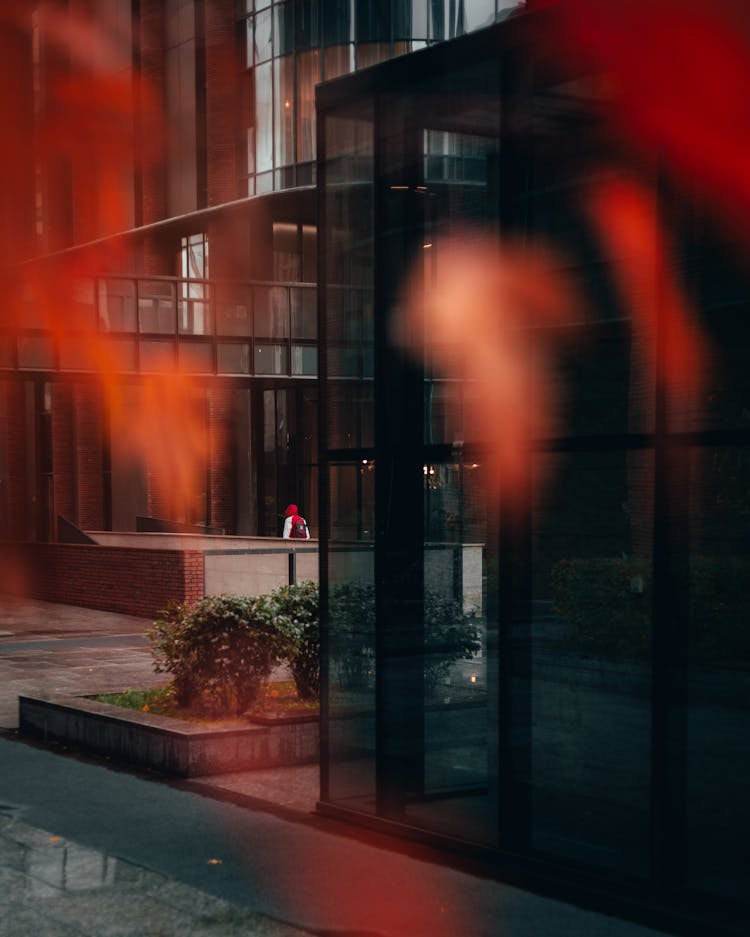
(90, 849)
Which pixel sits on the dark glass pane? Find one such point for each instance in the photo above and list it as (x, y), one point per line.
(336, 21)
(351, 624)
(233, 359)
(156, 306)
(117, 305)
(304, 313)
(35, 352)
(718, 755)
(304, 359)
(271, 359)
(156, 355)
(373, 21)
(590, 668)
(306, 24)
(271, 311)
(195, 357)
(459, 777)
(349, 261)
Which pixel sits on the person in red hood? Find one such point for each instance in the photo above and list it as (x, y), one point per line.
(295, 526)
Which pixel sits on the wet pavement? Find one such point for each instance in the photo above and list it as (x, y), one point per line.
(92, 849)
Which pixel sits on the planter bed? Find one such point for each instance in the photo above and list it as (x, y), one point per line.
(172, 746)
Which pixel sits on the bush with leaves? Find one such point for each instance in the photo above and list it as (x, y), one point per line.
(296, 610)
(221, 649)
(450, 634)
(606, 604)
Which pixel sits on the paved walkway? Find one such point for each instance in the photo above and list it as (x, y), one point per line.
(88, 849)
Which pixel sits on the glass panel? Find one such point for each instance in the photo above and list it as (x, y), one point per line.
(338, 60)
(590, 691)
(157, 355)
(308, 76)
(271, 359)
(284, 110)
(233, 359)
(351, 622)
(304, 313)
(284, 27)
(336, 21)
(117, 305)
(263, 120)
(195, 315)
(478, 13)
(232, 306)
(458, 792)
(156, 306)
(349, 270)
(123, 352)
(304, 359)
(35, 351)
(195, 357)
(264, 183)
(718, 755)
(263, 36)
(83, 311)
(78, 355)
(286, 252)
(271, 311)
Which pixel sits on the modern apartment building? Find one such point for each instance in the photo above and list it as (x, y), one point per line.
(551, 675)
(170, 173)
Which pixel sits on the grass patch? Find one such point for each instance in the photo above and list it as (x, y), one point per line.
(276, 698)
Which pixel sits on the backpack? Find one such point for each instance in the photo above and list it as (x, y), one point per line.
(298, 530)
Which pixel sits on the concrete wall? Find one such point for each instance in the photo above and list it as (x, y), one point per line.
(132, 581)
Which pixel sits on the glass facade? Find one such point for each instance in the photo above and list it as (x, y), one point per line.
(555, 670)
(290, 46)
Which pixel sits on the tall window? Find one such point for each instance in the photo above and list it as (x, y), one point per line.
(194, 310)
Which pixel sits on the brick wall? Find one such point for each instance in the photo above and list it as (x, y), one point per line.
(117, 579)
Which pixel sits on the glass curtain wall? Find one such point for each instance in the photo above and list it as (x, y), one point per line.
(292, 45)
(555, 670)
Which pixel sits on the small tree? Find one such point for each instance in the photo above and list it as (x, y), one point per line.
(297, 612)
(221, 648)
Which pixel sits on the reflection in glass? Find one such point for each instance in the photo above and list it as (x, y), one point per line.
(718, 755)
(308, 75)
(234, 358)
(117, 305)
(263, 121)
(591, 658)
(271, 359)
(271, 311)
(35, 351)
(284, 110)
(351, 636)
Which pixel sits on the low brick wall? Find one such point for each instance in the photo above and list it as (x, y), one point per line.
(172, 746)
(115, 579)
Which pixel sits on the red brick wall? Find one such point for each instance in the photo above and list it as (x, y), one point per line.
(116, 579)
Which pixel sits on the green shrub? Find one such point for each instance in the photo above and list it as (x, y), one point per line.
(606, 604)
(296, 609)
(352, 634)
(607, 607)
(449, 634)
(221, 648)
